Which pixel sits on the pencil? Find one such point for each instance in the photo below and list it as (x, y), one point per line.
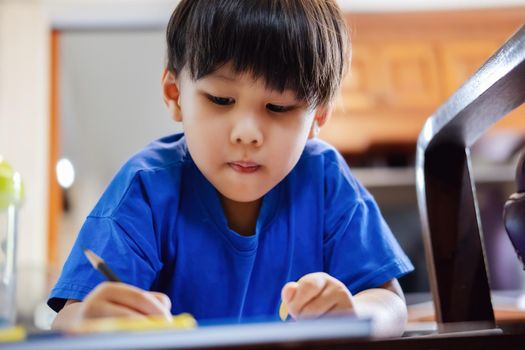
(152, 322)
(100, 265)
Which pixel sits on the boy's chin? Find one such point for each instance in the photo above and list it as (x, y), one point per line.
(242, 196)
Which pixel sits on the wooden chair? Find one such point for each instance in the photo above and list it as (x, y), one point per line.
(446, 191)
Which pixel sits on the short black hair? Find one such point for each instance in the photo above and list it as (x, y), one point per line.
(302, 45)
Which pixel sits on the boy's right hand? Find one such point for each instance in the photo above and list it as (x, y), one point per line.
(114, 299)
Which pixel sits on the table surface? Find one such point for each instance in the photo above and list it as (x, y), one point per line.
(319, 334)
(337, 333)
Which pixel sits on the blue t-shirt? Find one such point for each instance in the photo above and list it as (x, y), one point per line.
(160, 226)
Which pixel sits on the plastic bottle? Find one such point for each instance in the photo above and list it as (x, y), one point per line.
(11, 197)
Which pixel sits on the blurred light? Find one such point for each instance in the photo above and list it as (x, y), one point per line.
(65, 173)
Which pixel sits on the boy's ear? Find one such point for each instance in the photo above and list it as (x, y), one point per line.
(171, 94)
(322, 114)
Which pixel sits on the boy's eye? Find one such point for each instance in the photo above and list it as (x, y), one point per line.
(221, 101)
(278, 109)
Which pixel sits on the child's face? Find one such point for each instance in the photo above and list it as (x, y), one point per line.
(242, 136)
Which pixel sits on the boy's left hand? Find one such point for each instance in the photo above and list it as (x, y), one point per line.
(316, 294)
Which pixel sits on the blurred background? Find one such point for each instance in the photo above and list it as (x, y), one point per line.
(80, 93)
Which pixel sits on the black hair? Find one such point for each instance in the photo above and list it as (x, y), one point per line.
(302, 45)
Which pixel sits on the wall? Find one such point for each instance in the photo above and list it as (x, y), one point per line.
(82, 13)
(110, 107)
(24, 52)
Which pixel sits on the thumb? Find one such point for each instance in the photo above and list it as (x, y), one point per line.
(164, 301)
(288, 291)
(287, 294)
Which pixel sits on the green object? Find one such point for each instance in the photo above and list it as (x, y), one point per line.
(11, 186)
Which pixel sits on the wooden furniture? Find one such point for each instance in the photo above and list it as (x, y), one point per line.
(404, 66)
(446, 190)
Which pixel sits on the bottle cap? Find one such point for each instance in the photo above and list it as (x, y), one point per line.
(11, 186)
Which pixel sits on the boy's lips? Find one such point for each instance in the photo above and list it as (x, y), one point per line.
(244, 167)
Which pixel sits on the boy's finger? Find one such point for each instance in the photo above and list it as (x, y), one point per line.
(165, 301)
(163, 298)
(288, 291)
(115, 310)
(287, 294)
(318, 306)
(134, 298)
(309, 286)
(155, 307)
(108, 309)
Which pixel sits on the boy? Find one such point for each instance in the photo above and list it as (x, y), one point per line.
(220, 221)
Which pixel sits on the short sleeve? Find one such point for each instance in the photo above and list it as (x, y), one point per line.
(359, 247)
(124, 237)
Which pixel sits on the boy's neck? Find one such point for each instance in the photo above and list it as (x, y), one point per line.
(241, 216)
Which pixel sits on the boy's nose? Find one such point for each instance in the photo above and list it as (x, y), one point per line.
(246, 131)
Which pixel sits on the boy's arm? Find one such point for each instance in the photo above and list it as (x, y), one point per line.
(318, 294)
(68, 315)
(386, 305)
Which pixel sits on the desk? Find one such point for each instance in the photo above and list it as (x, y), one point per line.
(334, 333)
(506, 311)
(254, 334)
(160, 340)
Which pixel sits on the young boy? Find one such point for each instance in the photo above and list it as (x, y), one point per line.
(222, 220)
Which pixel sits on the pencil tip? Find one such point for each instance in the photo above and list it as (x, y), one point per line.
(93, 258)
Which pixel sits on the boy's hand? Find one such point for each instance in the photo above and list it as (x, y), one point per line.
(113, 299)
(316, 294)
